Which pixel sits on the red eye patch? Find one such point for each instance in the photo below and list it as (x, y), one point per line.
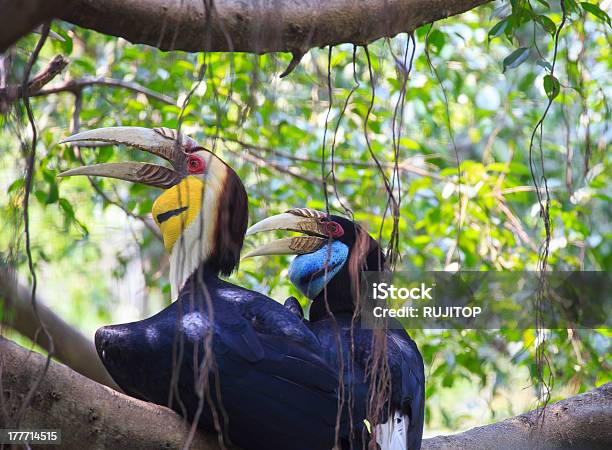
(195, 164)
(334, 229)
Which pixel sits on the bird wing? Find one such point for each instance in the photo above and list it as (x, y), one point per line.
(408, 374)
(273, 385)
(293, 305)
(402, 429)
(199, 317)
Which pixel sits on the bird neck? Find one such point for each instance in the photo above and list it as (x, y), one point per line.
(215, 238)
(342, 293)
(187, 256)
(336, 298)
(335, 305)
(204, 278)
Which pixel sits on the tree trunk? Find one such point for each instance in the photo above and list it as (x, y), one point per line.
(252, 26)
(71, 347)
(87, 412)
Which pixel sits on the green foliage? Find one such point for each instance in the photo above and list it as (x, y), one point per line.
(516, 58)
(98, 264)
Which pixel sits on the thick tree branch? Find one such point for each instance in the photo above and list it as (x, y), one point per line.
(88, 414)
(71, 347)
(259, 27)
(580, 423)
(21, 17)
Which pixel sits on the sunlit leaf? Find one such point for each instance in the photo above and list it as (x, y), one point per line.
(498, 29)
(516, 58)
(551, 86)
(548, 25)
(596, 11)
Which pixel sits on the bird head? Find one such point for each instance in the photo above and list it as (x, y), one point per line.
(331, 252)
(202, 213)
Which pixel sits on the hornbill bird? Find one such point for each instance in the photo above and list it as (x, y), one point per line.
(232, 359)
(329, 275)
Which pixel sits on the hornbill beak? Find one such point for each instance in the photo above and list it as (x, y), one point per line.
(307, 221)
(162, 142)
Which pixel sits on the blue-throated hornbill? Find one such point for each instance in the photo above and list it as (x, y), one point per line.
(330, 276)
(263, 383)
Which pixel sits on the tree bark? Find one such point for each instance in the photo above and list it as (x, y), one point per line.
(11, 93)
(578, 423)
(21, 17)
(240, 25)
(87, 412)
(71, 347)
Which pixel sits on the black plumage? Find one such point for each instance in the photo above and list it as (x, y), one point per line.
(335, 322)
(275, 391)
(231, 359)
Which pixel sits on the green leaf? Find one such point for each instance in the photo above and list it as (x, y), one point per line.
(48, 175)
(518, 168)
(498, 167)
(436, 40)
(551, 86)
(53, 194)
(88, 66)
(547, 23)
(498, 29)
(571, 6)
(41, 196)
(516, 58)
(67, 207)
(105, 153)
(500, 11)
(16, 185)
(543, 63)
(66, 44)
(421, 32)
(596, 11)
(521, 15)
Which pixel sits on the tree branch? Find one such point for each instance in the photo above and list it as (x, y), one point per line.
(259, 27)
(88, 414)
(21, 17)
(233, 25)
(8, 94)
(76, 86)
(404, 166)
(54, 68)
(71, 347)
(581, 422)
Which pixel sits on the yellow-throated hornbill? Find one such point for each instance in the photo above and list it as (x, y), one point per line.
(328, 274)
(265, 385)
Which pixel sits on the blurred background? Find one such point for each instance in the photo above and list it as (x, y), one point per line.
(470, 89)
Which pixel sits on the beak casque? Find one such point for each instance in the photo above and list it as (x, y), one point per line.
(305, 221)
(162, 142)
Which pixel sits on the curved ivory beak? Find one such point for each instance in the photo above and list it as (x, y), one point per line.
(290, 222)
(301, 221)
(150, 174)
(165, 143)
